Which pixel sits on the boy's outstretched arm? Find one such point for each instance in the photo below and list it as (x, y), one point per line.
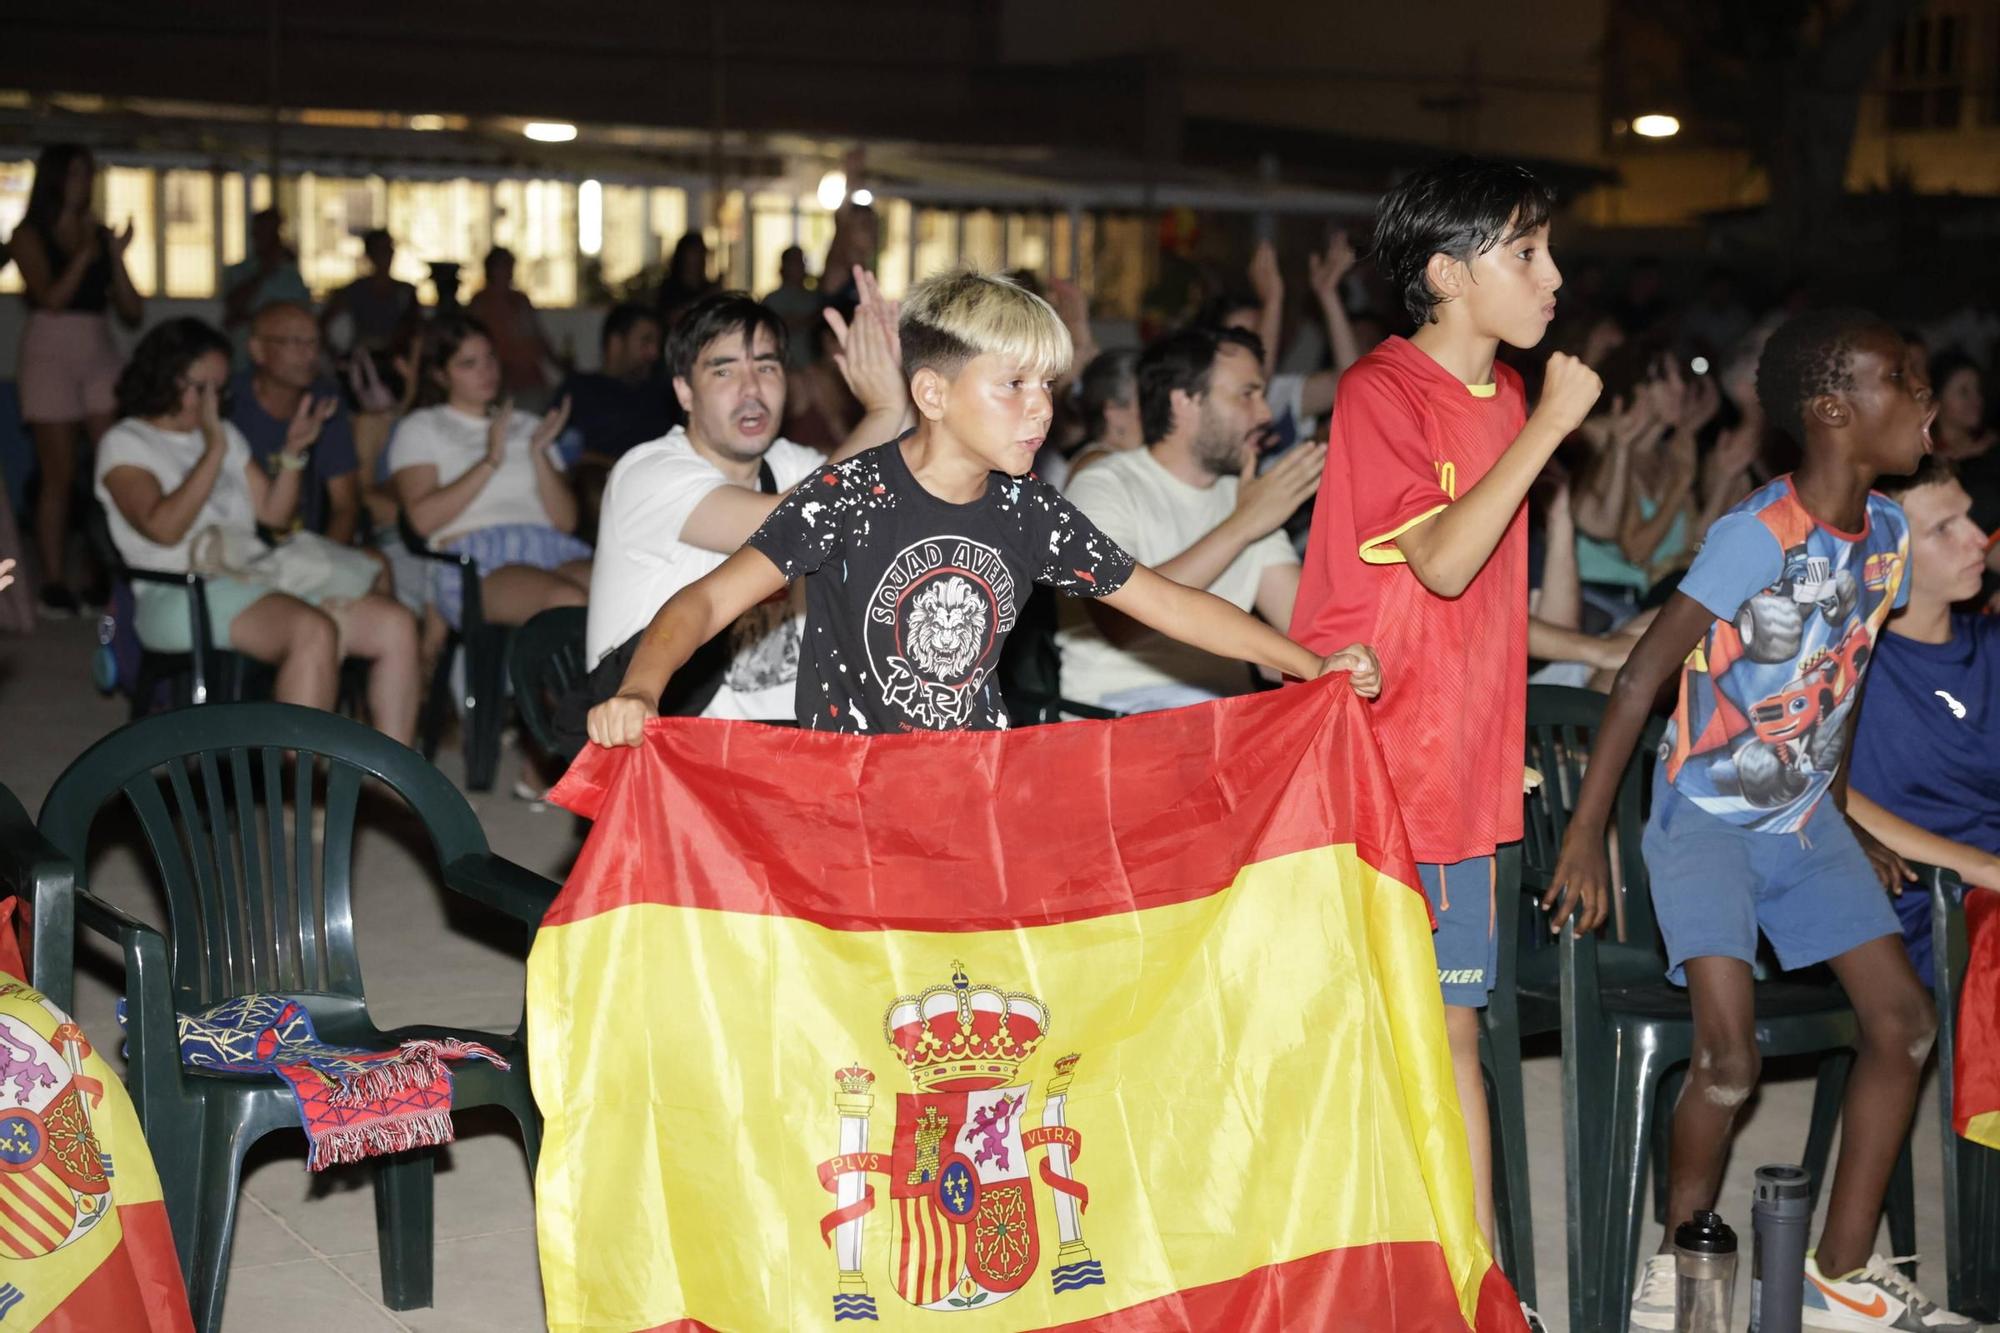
(1582, 875)
(1205, 621)
(690, 618)
(1447, 551)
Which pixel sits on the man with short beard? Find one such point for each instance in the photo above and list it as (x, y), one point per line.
(676, 507)
(282, 388)
(1192, 505)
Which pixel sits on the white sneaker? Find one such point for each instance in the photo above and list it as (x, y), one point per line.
(1653, 1302)
(1876, 1297)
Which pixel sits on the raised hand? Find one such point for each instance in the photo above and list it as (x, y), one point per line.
(1265, 280)
(1699, 404)
(1265, 502)
(1569, 390)
(302, 432)
(1325, 269)
(870, 358)
(369, 391)
(550, 426)
(121, 241)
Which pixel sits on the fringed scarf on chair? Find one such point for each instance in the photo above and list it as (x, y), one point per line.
(353, 1103)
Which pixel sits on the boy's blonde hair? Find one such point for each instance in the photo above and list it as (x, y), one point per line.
(951, 317)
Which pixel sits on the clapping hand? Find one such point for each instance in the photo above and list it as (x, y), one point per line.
(121, 241)
(871, 350)
(550, 426)
(6, 575)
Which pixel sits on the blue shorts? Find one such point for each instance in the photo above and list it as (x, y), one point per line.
(1715, 885)
(1468, 948)
(495, 548)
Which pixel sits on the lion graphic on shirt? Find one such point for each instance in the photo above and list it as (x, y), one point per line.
(946, 628)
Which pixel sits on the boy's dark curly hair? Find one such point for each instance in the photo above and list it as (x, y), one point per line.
(1806, 357)
(151, 383)
(1462, 208)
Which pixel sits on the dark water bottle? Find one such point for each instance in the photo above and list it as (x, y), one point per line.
(1779, 1218)
(1704, 1275)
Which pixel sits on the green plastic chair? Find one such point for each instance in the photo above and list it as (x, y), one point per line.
(1625, 1028)
(42, 878)
(544, 662)
(209, 787)
(1971, 1170)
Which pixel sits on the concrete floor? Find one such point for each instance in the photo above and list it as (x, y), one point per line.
(305, 1246)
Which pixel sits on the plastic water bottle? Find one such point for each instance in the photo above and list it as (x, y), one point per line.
(1704, 1275)
(1779, 1217)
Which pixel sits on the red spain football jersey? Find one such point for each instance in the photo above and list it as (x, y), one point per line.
(1407, 439)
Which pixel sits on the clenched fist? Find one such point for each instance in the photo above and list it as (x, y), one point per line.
(1569, 390)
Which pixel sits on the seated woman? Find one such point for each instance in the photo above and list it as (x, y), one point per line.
(173, 467)
(478, 478)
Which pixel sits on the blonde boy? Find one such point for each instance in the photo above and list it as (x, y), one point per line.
(917, 554)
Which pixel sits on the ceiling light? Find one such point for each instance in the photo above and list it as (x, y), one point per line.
(427, 122)
(549, 131)
(864, 197)
(832, 189)
(1655, 126)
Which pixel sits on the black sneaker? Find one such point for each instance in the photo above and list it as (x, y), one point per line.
(58, 603)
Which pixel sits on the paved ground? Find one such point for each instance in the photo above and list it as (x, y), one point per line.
(305, 1246)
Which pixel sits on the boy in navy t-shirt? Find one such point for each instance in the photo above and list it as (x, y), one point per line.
(1771, 634)
(1925, 777)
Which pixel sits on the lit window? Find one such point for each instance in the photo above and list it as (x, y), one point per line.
(128, 197)
(190, 229)
(16, 179)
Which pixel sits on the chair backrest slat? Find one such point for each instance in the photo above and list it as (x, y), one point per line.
(258, 972)
(343, 792)
(311, 956)
(220, 823)
(200, 888)
(286, 970)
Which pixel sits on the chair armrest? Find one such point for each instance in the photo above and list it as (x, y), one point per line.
(43, 878)
(504, 886)
(201, 633)
(153, 1056)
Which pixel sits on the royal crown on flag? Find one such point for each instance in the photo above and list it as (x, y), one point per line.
(964, 1038)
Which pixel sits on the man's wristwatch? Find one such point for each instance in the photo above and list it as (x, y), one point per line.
(291, 462)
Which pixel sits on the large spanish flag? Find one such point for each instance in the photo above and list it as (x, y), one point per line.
(1128, 1025)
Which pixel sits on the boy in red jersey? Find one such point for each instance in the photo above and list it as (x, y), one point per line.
(1419, 547)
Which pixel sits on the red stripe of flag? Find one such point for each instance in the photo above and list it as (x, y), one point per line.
(27, 1228)
(1402, 1285)
(39, 1197)
(1163, 808)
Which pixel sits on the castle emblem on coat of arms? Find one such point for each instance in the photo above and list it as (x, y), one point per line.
(961, 1230)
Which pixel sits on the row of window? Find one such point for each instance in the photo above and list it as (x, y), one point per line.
(574, 244)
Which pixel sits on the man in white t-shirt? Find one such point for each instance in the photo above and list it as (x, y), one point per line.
(1191, 505)
(677, 507)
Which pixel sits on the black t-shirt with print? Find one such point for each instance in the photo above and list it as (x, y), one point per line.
(909, 598)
